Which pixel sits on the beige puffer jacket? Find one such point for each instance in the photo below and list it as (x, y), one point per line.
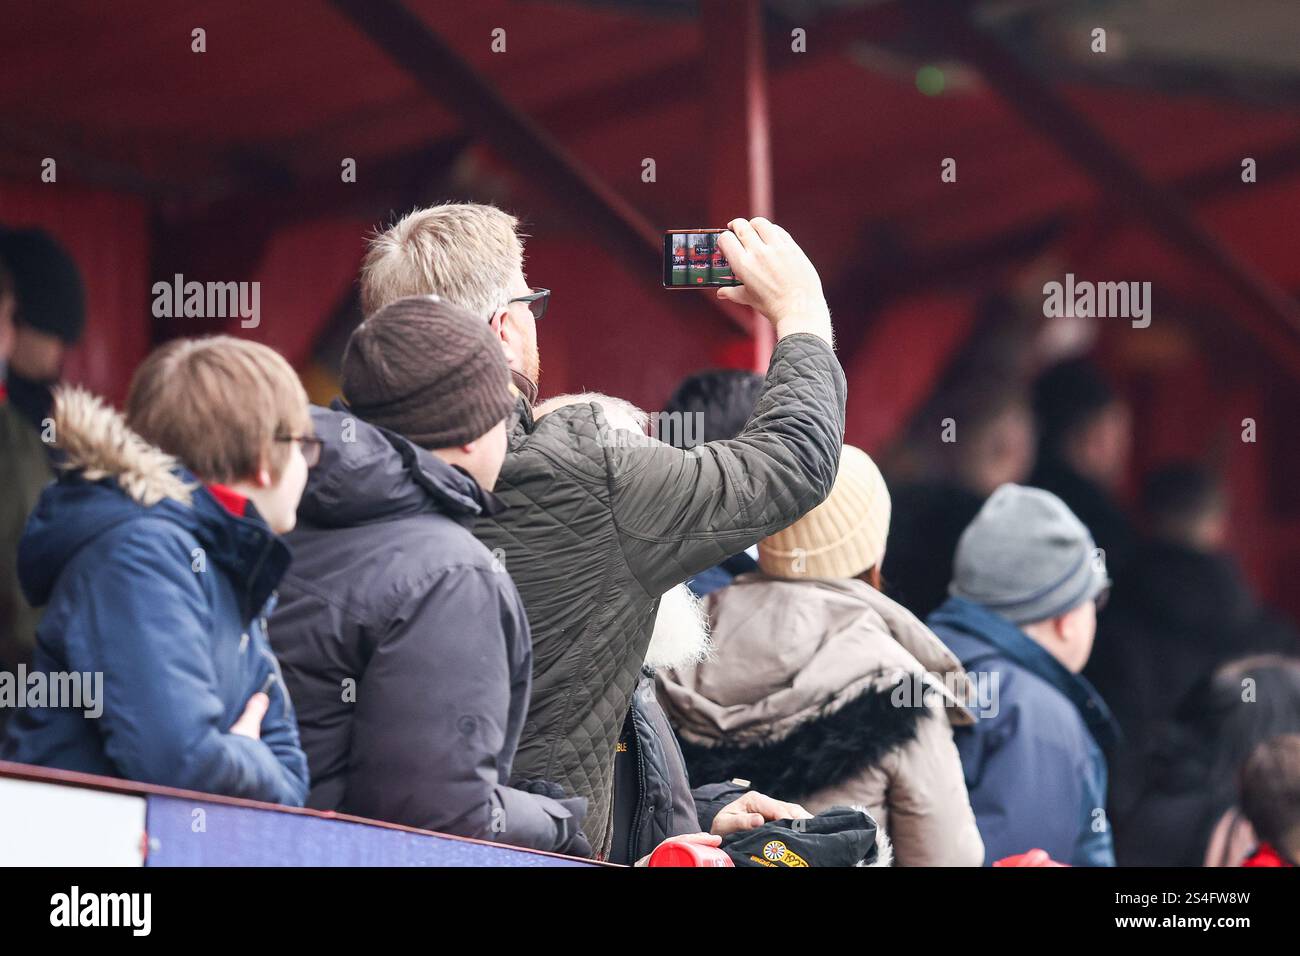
(829, 693)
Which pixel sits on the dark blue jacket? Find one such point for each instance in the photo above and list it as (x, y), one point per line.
(168, 602)
(1033, 763)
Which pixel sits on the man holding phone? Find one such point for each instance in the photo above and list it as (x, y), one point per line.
(597, 529)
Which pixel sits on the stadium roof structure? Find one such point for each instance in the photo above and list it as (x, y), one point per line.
(834, 117)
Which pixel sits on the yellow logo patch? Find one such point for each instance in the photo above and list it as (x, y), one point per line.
(776, 853)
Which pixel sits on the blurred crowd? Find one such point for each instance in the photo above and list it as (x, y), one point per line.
(446, 603)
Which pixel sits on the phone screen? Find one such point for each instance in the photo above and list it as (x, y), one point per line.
(692, 260)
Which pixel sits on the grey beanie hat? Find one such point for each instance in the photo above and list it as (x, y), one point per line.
(1027, 557)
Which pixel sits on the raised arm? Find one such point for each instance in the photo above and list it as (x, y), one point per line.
(679, 512)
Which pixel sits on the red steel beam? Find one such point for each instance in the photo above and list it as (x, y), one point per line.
(450, 79)
(739, 137)
(637, 89)
(907, 350)
(1270, 315)
(576, 113)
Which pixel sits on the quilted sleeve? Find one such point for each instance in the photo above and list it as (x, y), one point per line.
(680, 512)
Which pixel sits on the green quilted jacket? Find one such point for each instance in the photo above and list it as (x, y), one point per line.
(598, 527)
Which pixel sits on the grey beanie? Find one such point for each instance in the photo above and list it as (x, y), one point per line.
(1027, 557)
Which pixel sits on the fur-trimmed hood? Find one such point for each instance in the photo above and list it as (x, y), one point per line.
(798, 692)
(108, 475)
(94, 440)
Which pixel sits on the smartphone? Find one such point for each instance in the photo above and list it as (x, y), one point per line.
(692, 260)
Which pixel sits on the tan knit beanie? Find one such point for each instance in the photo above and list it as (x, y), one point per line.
(840, 538)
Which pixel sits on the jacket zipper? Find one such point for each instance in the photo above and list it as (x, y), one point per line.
(634, 831)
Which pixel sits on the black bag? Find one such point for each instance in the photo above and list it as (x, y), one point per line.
(840, 836)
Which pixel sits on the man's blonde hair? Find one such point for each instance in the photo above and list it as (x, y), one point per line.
(466, 253)
(218, 404)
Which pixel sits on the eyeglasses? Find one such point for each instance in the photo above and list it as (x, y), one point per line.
(311, 447)
(537, 301)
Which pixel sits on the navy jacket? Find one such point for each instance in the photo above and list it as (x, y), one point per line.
(407, 648)
(1034, 769)
(168, 602)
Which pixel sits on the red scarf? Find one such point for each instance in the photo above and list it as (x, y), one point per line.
(230, 499)
(1267, 856)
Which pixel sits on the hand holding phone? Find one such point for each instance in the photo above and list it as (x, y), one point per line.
(777, 278)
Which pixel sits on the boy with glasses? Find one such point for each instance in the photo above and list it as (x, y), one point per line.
(156, 556)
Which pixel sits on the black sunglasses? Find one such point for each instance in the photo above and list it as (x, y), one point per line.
(311, 447)
(537, 301)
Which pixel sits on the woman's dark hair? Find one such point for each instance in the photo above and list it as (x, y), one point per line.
(1270, 792)
(723, 398)
(6, 280)
(1243, 703)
